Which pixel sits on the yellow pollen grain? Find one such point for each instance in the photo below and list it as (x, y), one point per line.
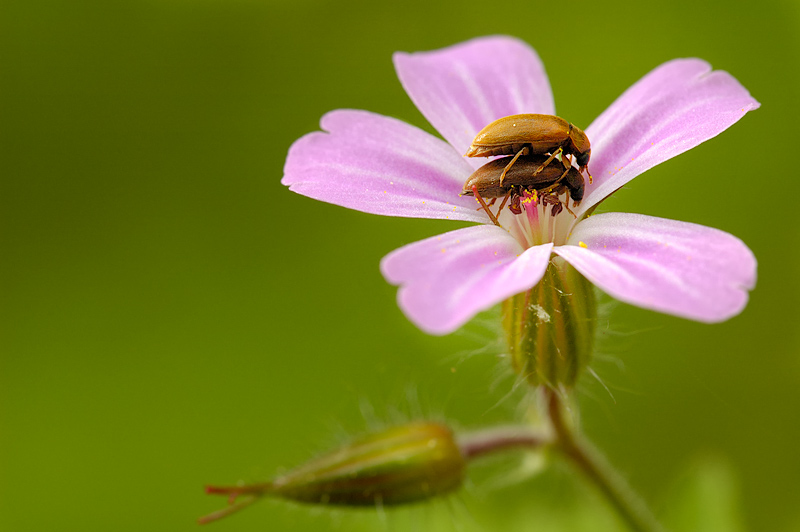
(444, 250)
(582, 244)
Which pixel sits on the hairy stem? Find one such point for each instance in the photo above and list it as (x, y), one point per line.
(583, 455)
(499, 439)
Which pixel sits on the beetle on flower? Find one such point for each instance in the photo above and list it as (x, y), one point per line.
(381, 165)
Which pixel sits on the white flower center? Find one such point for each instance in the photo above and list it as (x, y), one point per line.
(537, 225)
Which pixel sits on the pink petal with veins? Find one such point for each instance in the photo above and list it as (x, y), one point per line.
(677, 106)
(380, 165)
(679, 268)
(463, 88)
(447, 279)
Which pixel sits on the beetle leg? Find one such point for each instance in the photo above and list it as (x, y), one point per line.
(582, 168)
(566, 171)
(566, 205)
(503, 204)
(553, 156)
(488, 204)
(483, 204)
(523, 151)
(550, 197)
(555, 185)
(566, 162)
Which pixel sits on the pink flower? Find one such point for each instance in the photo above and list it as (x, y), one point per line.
(381, 165)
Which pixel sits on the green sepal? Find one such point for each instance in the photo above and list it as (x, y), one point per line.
(399, 465)
(550, 328)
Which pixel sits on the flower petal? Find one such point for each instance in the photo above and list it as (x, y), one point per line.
(672, 109)
(463, 88)
(380, 165)
(684, 269)
(447, 279)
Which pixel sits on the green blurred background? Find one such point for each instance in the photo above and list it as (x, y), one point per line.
(172, 316)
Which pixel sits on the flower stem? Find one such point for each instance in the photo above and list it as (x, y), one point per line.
(583, 455)
(499, 439)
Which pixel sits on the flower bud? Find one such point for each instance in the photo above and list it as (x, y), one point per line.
(398, 465)
(550, 328)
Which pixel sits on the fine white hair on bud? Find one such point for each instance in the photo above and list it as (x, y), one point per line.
(402, 464)
(550, 328)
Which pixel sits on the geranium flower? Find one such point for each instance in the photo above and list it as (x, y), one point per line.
(381, 165)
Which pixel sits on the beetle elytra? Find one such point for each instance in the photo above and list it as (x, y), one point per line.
(533, 134)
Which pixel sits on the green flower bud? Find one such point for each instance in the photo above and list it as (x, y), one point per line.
(398, 465)
(550, 328)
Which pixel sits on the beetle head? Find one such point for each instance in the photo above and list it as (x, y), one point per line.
(581, 146)
(583, 158)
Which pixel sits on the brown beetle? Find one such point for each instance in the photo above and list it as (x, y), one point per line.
(549, 183)
(531, 134)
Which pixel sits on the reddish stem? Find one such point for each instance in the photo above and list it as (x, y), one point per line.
(500, 439)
